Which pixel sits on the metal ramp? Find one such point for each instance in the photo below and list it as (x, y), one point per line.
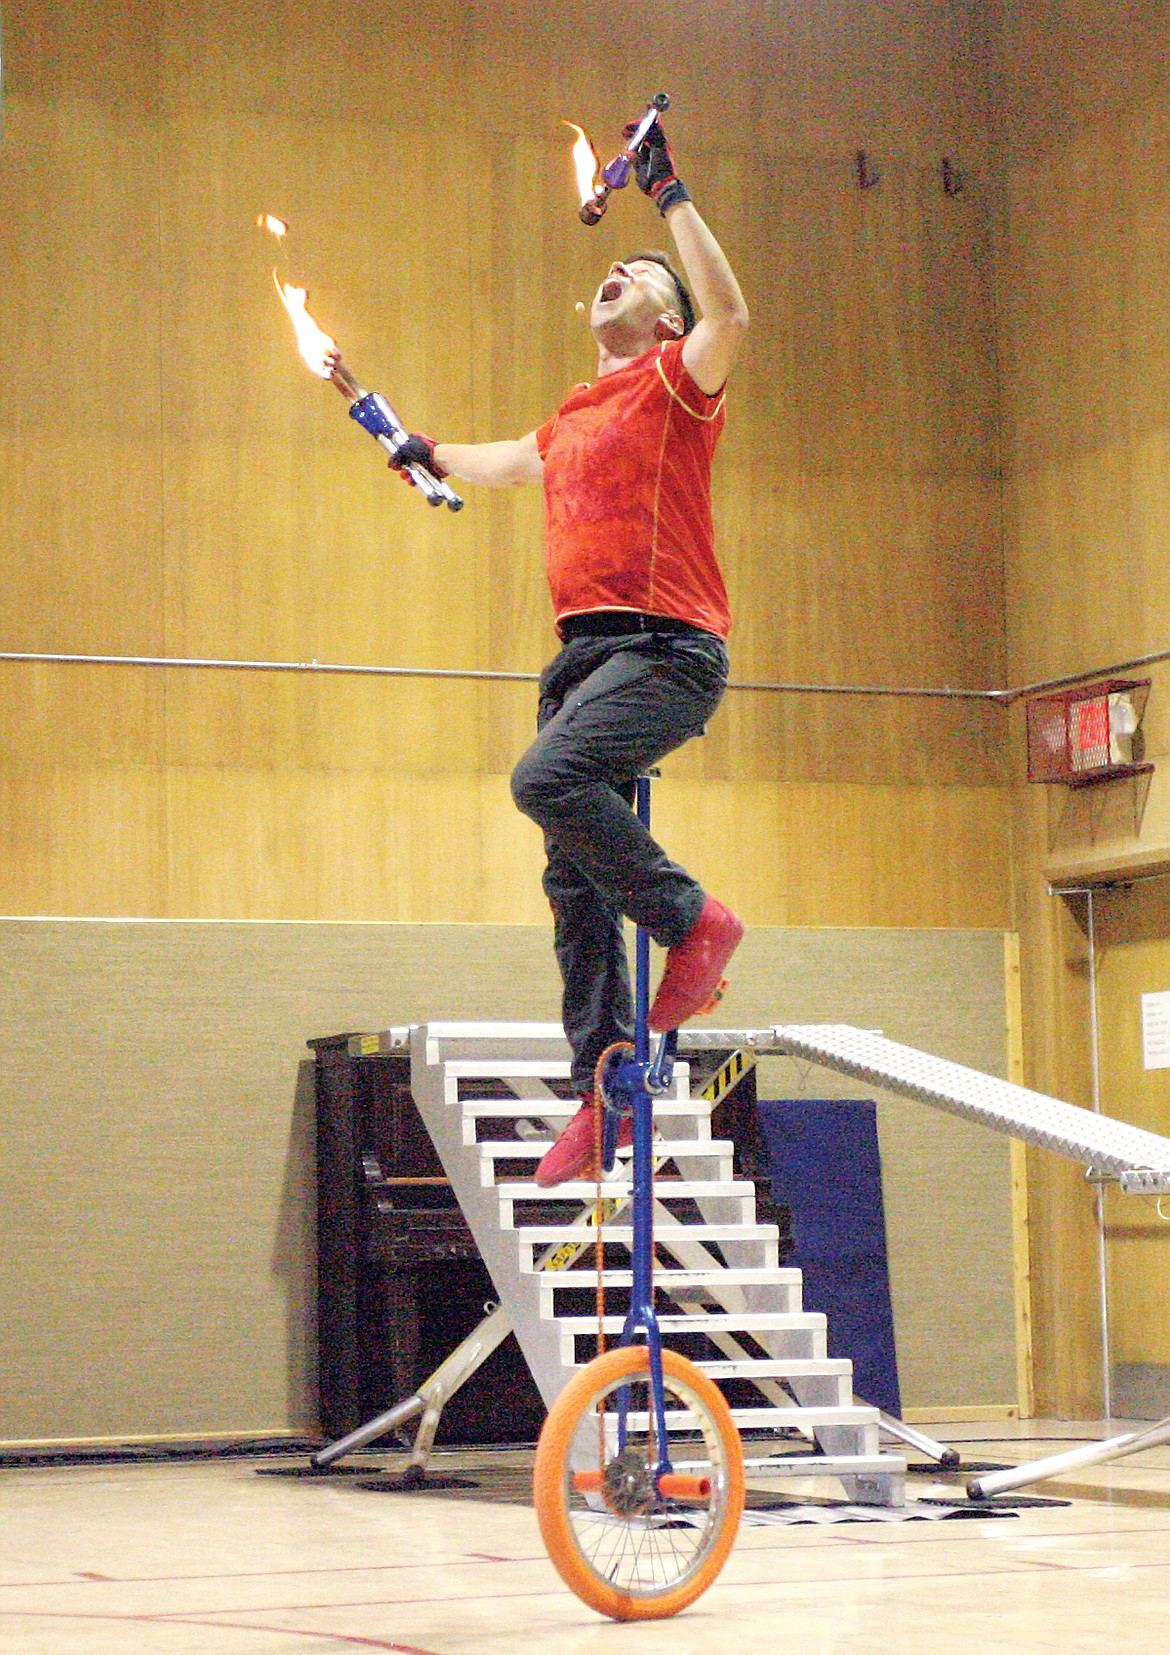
(1138, 1160)
(488, 1095)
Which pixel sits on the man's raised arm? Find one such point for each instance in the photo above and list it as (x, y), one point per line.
(710, 349)
(713, 344)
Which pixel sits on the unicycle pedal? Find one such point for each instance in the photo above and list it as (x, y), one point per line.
(717, 993)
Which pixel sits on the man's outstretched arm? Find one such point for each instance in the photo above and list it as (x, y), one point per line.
(495, 464)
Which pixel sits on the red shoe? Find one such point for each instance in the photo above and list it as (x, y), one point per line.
(693, 977)
(572, 1154)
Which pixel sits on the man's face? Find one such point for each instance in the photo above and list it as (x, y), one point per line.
(629, 303)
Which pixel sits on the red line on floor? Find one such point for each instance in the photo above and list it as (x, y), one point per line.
(268, 1574)
(350, 1638)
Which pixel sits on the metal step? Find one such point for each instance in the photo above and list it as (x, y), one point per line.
(528, 1081)
(671, 1281)
(724, 1287)
(688, 1238)
(770, 1419)
(808, 1325)
(665, 1149)
(512, 1068)
(775, 1367)
(779, 1367)
(620, 1189)
(740, 1195)
(676, 1321)
(621, 1235)
(887, 1469)
(516, 1108)
(446, 1041)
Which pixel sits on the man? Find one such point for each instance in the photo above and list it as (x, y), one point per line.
(642, 612)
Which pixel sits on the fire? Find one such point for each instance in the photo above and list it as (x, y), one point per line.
(586, 163)
(315, 345)
(269, 221)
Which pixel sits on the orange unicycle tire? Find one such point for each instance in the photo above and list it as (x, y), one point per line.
(625, 1548)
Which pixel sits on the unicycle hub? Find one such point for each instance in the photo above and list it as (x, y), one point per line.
(628, 1485)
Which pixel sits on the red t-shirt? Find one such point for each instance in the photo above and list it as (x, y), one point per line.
(627, 491)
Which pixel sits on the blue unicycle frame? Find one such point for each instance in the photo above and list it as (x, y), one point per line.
(631, 1086)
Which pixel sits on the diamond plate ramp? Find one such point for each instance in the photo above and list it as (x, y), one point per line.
(1109, 1146)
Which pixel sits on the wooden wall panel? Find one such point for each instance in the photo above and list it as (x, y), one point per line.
(174, 482)
(1085, 343)
(431, 847)
(1083, 297)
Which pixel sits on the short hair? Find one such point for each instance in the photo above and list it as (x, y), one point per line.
(685, 302)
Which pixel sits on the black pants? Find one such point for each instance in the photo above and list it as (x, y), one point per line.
(609, 709)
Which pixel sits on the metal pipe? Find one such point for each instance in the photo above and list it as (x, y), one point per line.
(1102, 1253)
(1072, 1459)
(886, 690)
(374, 1428)
(347, 669)
(948, 1459)
(1001, 698)
(326, 667)
(1109, 882)
(1081, 677)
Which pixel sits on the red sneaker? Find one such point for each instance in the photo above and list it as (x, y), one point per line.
(572, 1154)
(694, 967)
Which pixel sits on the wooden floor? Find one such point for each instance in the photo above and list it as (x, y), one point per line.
(214, 1559)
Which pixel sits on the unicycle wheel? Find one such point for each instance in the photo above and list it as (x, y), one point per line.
(614, 1539)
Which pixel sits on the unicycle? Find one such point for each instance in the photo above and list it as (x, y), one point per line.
(638, 1521)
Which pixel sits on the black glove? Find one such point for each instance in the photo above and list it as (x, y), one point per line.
(654, 169)
(417, 449)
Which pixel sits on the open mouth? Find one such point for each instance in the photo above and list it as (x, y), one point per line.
(610, 290)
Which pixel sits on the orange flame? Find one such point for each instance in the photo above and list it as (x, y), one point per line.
(586, 163)
(269, 221)
(315, 345)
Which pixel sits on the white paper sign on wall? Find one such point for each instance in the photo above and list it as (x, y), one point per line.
(1156, 1031)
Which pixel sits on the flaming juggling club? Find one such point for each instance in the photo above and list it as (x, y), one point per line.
(375, 415)
(595, 191)
(370, 409)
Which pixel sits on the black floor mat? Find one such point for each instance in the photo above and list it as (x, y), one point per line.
(155, 1453)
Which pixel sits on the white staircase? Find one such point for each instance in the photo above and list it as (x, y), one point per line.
(488, 1095)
